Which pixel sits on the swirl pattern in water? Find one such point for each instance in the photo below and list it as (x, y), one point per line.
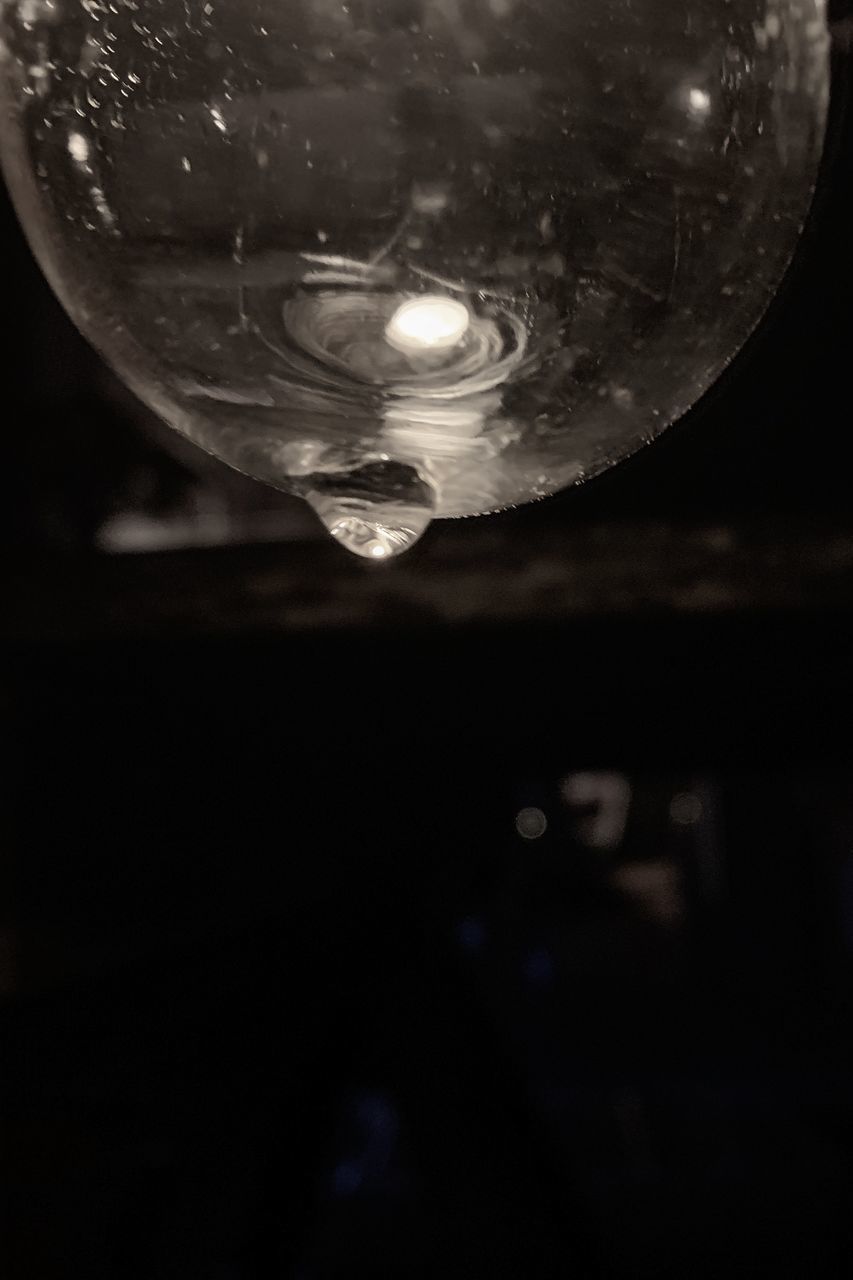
(415, 258)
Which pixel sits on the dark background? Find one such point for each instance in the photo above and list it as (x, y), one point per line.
(284, 987)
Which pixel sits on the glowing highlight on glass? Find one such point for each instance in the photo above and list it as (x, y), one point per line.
(431, 323)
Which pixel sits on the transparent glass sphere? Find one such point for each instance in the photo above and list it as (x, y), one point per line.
(414, 258)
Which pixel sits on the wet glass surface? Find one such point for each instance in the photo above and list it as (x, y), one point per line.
(415, 259)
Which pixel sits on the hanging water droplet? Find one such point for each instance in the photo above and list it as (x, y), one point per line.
(373, 537)
(377, 511)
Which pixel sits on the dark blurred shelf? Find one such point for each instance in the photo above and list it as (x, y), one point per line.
(470, 574)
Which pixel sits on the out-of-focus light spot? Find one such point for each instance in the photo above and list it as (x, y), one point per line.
(471, 934)
(603, 801)
(531, 824)
(685, 809)
(539, 967)
(431, 323)
(348, 1178)
(699, 102)
(378, 551)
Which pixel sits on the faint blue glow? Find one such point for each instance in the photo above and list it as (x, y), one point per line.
(471, 934)
(539, 967)
(372, 1126)
(531, 824)
(348, 1177)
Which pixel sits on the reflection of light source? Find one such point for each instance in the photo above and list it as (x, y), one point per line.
(699, 102)
(431, 323)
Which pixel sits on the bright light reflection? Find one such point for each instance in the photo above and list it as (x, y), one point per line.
(431, 323)
(78, 147)
(699, 101)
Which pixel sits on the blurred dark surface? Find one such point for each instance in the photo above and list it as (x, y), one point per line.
(485, 914)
